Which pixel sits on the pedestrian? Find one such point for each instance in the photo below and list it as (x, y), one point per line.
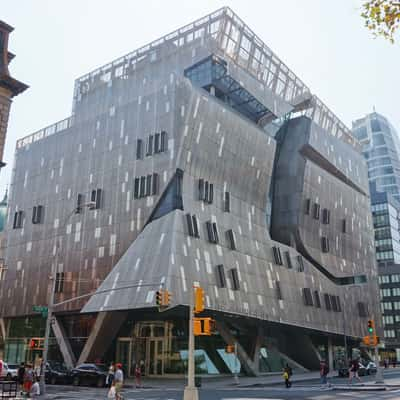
(286, 378)
(28, 379)
(1, 366)
(353, 371)
(110, 376)
(386, 363)
(118, 381)
(20, 376)
(394, 362)
(324, 370)
(138, 376)
(35, 389)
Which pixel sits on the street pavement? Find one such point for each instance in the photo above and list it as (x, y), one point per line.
(260, 388)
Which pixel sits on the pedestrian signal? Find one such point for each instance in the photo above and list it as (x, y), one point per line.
(203, 326)
(36, 344)
(371, 326)
(198, 300)
(230, 348)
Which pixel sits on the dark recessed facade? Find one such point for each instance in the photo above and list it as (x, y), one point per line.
(205, 161)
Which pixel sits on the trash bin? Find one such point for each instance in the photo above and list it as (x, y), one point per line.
(197, 381)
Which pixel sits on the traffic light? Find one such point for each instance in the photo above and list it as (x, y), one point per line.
(198, 300)
(159, 298)
(371, 340)
(203, 326)
(36, 344)
(367, 340)
(230, 348)
(166, 298)
(371, 326)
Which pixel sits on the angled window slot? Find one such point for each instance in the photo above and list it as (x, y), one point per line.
(220, 273)
(278, 290)
(164, 142)
(157, 143)
(155, 184)
(288, 260)
(300, 264)
(227, 202)
(215, 230)
(230, 236)
(148, 185)
(189, 222)
(327, 299)
(139, 149)
(149, 150)
(136, 190)
(317, 300)
(326, 216)
(307, 297)
(210, 197)
(277, 255)
(79, 202)
(307, 206)
(234, 279)
(142, 190)
(195, 227)
(201, 189)
(316, 211)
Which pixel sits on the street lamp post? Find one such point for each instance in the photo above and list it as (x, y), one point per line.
(51, 303)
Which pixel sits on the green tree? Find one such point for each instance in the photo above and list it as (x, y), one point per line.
(382, 17)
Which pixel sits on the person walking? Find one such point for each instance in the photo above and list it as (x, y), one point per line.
(110, 376)
(118, 381)
(138, 376)
(353, 372)
(324, 370)
(20, 376)
(286, 378)
(35, 389)
(28, 379)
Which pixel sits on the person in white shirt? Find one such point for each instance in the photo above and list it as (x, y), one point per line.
(35, 389)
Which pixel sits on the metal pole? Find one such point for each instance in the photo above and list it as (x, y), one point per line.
(235, 377)
(379, 373)
(346, 355)
(191, 392)
(48, 326)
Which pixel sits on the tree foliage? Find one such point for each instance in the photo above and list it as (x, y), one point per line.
(382, 17)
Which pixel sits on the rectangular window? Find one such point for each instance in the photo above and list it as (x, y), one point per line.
(277, 255)
(278, 290)
(307, 297)
(149, 150)
(325, 244)
(157, 143)
(288, 260)
(307, 207)
(37, 214)
(316, 210)
(164, 143)
(220, 273)
(142, 190)
(210, 196)
(148, 185)
(338, 304)
(18, 220)
(139, 149)
(333, 302)
(205, 191)
(300, 264)
(227, 202)
(234, 279)
(95, 198)
(190, 225)
(59, 284)
(195, 227)
(362, 309)
(230, 237)
(155, 184)
(344, 225)
(79, 202)
(327, 302)
(136, 188)
(317, 300)
(215, 230)
(326, 216)
(201, 189)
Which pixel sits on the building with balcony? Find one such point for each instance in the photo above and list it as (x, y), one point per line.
(199, 159)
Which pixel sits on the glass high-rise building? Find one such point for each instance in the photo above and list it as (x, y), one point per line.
(381, 148)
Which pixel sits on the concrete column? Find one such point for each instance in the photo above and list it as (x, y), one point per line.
(247, 363)
(63, 343)
(3, 329)
(330, 354)
(103, 333)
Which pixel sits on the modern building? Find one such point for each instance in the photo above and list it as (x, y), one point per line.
(386, 219)
(381, 147)
(9, 87)
(198, 159)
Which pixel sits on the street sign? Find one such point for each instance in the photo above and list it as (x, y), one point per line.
(41, 309)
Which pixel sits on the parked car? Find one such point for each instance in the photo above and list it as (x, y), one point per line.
(89, 374)
(344, 371)
(5, 374)
(12, 371)
(370, 368)
(57, 372)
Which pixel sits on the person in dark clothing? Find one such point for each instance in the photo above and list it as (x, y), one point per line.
(21, 374)
(353, 372)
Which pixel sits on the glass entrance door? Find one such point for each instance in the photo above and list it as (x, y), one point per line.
(154, 357)
(124, 354)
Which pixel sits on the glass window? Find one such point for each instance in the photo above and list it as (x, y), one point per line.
(375, 126)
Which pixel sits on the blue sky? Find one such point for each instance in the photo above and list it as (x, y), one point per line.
(323, 42)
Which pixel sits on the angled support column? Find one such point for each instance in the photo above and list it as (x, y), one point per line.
(103, 333)
(247, 363)
(63, 343)
(256, 351)
(3, 329)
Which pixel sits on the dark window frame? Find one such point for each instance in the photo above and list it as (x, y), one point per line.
(220, 274)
